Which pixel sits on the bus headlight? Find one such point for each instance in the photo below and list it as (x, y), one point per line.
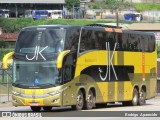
(58, 91)
(16, 93)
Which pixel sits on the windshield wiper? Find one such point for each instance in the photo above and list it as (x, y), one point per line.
(46, 84)
(17, 84)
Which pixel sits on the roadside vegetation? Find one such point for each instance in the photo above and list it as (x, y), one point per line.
(111, 4)
(15, 25)
(146, 6)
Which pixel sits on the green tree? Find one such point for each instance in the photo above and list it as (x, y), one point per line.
(70, 2)
(111, 1)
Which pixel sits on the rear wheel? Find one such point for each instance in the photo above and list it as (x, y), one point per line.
(80, 101)
(142, 97)
(47, 108)
(35, 108)
(90, 103)
(134, 100)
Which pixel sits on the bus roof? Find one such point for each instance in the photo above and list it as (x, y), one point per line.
(134, 26)
(125, 29)
(51, 26)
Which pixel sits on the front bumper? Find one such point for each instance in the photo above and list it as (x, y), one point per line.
(44, 101)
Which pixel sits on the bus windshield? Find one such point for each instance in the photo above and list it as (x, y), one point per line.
(46, 40)
(35, 74)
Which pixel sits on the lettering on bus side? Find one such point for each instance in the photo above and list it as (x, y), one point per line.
(109, 59)
(123, 72)
(37, 52)
(110, 72)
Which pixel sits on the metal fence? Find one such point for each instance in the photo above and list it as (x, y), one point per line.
(5, 84)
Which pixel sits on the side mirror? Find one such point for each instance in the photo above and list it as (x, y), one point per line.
(61, 57)
(6, 60)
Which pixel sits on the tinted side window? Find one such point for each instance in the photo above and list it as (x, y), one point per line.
(96, 40)
(111, 39)
(87, 40)
(72, 39)
(99, 40)
(136, 42)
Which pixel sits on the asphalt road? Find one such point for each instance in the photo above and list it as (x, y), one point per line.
(152, 108)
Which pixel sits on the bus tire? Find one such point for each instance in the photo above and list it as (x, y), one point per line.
(134, 101)
(142, 97)
(101, 105)
(126, 103)
(47, 108)
(35, 108)
(90, 102)
(80, 101)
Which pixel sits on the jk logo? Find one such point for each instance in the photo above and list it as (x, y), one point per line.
(109, 64)
(37, 53)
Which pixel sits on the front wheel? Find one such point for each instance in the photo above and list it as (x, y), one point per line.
(47, 108)
(35, 108)
(80, 101)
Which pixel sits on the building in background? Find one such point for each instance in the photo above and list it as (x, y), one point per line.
(17, 7)
(143, 1)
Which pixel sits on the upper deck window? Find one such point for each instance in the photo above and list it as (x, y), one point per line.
(50, 39)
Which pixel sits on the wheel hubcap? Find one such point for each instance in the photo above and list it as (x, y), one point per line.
(142, 97)
(90, 100)
(79, 101)
(135, 98)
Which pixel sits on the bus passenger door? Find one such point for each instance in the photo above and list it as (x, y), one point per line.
(68, 75)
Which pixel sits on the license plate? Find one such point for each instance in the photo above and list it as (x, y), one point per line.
(34, 104)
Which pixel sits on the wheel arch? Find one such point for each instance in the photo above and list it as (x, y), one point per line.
(93, 90)
(136, 87)
(83, 92)
(144, 88)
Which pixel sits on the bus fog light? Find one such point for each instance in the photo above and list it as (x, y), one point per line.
(55, 100)
(14, 100)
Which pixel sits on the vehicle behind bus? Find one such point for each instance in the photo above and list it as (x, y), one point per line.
(28, 13)
(133, 17)
(40, 14)
(56, 14)
(4, 13)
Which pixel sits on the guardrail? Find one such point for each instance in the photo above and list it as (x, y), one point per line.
(5, 84)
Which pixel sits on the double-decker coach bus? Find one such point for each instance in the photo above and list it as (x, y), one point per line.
(82, 67)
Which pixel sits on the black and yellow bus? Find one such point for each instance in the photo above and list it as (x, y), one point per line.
(82, 67)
